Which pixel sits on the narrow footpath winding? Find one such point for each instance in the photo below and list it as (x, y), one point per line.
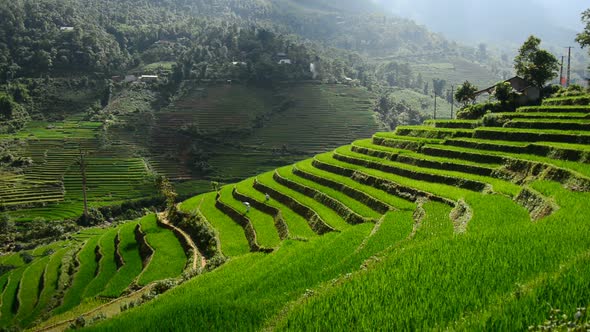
(198, 258)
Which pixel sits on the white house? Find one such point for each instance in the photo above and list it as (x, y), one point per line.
(66, 29)
(145, 78)
(285, 62)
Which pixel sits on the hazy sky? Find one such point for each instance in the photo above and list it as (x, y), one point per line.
(556, 21)
(567, 12)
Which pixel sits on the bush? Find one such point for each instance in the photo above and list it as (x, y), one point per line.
(474, 112)
(503, 93)
(26, 257)
(571, 91)
(6, 268)
(567, 101)
(95, 217)
(199, 231)
(493, 120)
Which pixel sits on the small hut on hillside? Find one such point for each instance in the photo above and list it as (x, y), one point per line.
(526, 92)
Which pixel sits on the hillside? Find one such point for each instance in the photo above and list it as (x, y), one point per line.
(88, 270)
(388, 224)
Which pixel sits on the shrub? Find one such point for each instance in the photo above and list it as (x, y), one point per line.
(6, 268)
(571, 91)
(493, 120)
(568, 101)
(26, 257)
(474, 112)
(503, 92)
(199, 231)
(95, 217)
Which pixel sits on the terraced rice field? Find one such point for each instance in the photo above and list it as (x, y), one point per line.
(492, 226)
(77, 273)
(490, 223)
(51, 187)
(322, 118)
(246, 128)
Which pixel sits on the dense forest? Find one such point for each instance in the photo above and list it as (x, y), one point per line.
(105, 36)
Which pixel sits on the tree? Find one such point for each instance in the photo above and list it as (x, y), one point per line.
(167, 190)
(534, 64)
(466, 93)
(438, 85)
(583, 38)
(503, 92)
(6, 225)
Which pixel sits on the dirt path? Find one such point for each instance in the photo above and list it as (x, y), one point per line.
(198, 258)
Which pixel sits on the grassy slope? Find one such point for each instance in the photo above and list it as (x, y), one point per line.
(50, 284)
(107, 266)
(231, 235)
(133, 264)
(30, 287)
(169, 258)
(83, 277)
(245, 292)
(298, 226)
(512, 254)
(8, 310)
(266, 232)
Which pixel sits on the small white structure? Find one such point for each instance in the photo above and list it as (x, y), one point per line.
(285, 62)
(145, 78)
(239, 63)
(313, 71)
(66, 29)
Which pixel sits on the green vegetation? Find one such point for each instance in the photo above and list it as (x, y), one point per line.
(168, 260)
(297, 225)
(107, 266)
(87, 267)
(30, 287)
(534, 64)
(10, 297)
(439, 198)
(132, 264)
(339, 240)
(231, 235)
(264, 225)
(50, 283)
(328, 215)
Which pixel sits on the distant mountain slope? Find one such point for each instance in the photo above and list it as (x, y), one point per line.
(499, 21)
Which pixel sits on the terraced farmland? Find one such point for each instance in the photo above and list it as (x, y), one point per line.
(394, 223)
(89, 269)
(244, 130)
(491, 224)
(51, 187)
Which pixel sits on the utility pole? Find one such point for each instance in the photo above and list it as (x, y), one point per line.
(452, 100)
(83, 172)
(569, 62)
(561, 71)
